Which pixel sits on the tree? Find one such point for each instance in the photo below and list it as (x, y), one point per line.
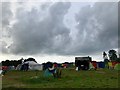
(112, 55)
(104, 54)
(30, 59)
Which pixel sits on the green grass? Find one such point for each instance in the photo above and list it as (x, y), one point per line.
(102, 78)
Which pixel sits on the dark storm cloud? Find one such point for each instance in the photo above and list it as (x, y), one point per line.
(33, 33)
(5, 16)
(42, 30)
(3, 48)
(97, 28)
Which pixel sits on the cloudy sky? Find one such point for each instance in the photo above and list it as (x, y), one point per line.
(57, 31)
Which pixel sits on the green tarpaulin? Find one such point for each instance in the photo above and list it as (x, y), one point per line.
(117, 67)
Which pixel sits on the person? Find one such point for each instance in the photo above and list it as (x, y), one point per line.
(110, 65)
(51, 70)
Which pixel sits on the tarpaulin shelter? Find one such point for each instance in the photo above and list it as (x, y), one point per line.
(34, 66)
(55, 65)
(117, 66)
(29, 65)
(114, 63)
(59, 65)
(0, 71)
(101, 64)
(19, 67)
(47, 65)
(4, 67)
(11, 67)
(47, 73)
(91, 66)
(94, 63)
(64, 65)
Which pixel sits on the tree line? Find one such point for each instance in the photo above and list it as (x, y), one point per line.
(112, 54)
(16, 62)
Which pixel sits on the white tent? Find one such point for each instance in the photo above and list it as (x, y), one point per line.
(34, 66)
(0, 71)
(18, 67)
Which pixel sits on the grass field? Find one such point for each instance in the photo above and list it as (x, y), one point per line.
(102, 78)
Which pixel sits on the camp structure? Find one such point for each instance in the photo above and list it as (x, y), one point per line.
(101, 64)
(0, 71)
(94, 63)
(91, 66)
(114, 63)
(18, 67)
(11, 67)
(82, 63)
(117, 66)
(29, 65)
(47, 65)
(34, 66)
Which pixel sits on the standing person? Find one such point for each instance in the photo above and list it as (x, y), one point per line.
(110, 65)
(105, 60)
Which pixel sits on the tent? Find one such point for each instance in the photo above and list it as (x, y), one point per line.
(4, 67)
(31, 66)
(19, 67)
(101, 64)
(11, 67)
(91, 66)
(34, 66)
(64, 65)
(114, 63)
(117, 66)
(0, 71)
(94, 63)
(47, 65)
(47, 73)
(55, 65)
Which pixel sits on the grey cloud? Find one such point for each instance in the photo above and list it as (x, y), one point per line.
(43, 31)
(32, 35)
(5, 17)
(6, 14)
(3, 46)
(99, 25)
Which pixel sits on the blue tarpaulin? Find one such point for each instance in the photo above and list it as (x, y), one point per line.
(101, 64)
